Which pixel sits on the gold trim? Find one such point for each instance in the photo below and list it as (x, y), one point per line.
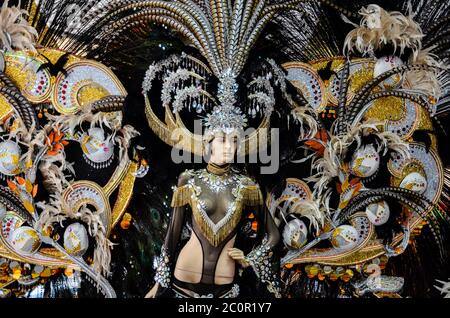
(119, 174)
(350, 257)
(307, 67)
(252, 195)
(6, 109)
(186, 140)
(216, 238)
(216, 169)
(373, 249)
(124, 195)
(248, 195)
(7, 251)
(387, 295)
(105, 215)
(181, 196)
(296, 182)
(54, 92)
(20, 81)
(9, 281)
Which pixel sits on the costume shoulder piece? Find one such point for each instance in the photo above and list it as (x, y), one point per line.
(252, 195)
(250, 192)
(182, 193)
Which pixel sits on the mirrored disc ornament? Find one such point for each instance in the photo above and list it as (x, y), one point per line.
(432, 167)
(414, 182)
(365, 161)
(378, 213)
(295, 233)
(344, 237)
(9, 158)
(97, 149)
(385, 64)
(25, 240)
(76, 239)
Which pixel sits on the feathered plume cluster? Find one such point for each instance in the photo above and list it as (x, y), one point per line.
(15, 32)
(426, 81)
(379, 28)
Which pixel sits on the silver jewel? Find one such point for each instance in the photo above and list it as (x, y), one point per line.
(216, 183)
(259, 260)
(162, 266)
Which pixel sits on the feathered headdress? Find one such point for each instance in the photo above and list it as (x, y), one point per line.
(224, 33)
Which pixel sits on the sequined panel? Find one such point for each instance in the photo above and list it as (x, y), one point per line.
(305, 78)
(85, 83)
(85, 192)
(23, 69)
(432, 167)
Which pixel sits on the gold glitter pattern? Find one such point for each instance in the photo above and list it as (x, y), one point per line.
(387, 108)
(321, 64)
(21, 68)
(5, 108)
(116, 179)
(22, 77)
(90, 92)
(425, 123)
(360, 77)
(124, 195)
(53, 55)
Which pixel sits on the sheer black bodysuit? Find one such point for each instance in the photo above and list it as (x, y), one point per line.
(217, 201)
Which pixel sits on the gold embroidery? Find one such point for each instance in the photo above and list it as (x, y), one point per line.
(215, 233)
(181, 196)
(124, 195)
(252, 195)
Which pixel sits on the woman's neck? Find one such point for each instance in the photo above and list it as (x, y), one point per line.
(218, 169)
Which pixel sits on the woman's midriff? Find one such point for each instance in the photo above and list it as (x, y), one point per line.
(189, 267)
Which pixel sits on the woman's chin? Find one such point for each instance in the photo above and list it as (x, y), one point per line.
(227, 160)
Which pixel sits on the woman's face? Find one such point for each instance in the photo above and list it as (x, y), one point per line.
(223, 148)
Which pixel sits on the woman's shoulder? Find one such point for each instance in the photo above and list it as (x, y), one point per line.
(185, 176)
(247, 180)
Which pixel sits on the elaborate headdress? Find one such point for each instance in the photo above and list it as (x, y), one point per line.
(377, 177)
(224, 34)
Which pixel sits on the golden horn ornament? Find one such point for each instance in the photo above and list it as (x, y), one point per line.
(174, 133)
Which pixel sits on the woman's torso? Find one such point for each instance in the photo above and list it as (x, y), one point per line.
(216, 210)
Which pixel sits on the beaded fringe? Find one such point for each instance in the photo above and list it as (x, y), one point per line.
(181, 196)
(216, 238)
(252, 196)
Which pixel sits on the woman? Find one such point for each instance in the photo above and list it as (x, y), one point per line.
(206, 264)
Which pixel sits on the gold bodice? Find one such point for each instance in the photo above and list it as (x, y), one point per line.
(216, 201)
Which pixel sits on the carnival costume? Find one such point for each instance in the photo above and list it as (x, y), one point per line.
(359, 92)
